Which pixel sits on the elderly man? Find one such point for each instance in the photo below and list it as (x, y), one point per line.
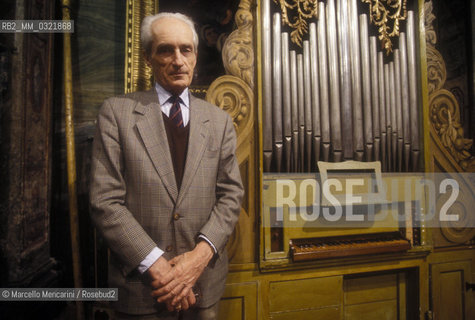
(166, 189)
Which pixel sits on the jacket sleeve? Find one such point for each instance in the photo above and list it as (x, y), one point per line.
(125, 236)
(229, 192)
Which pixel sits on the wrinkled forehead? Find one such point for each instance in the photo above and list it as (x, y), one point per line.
(171, 29)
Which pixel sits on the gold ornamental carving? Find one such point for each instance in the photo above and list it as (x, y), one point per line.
(138, 75)
(301, 10)
(445, 118)
(386, 15)
(444, 110)
(234, 96)
(238, 52)
(436, 71)
(234, 93)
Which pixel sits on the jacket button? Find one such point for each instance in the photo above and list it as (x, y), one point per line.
(176, 216)
(169, 248)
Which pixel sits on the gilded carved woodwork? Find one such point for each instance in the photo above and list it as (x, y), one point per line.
(445, 118)
(386, 16)
(238, 51)
(449, 150)
(301, 11)
(444, 109)
(234, 93)
(137, 74)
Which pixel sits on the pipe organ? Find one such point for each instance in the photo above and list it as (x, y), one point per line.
(337, 96)
(331, 93)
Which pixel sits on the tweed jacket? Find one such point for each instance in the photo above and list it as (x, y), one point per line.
(135, 202)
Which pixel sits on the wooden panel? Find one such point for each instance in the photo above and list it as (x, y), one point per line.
(239, 301)
(320, 314)
(450, 285)
(305, 293)
(232, 308)
(402, 296)
(382, 296)
(449, 298)
(382, 310)
(370, 289)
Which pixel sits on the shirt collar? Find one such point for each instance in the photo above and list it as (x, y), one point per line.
(164, 95)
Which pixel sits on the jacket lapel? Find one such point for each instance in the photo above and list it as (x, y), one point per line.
(154, 136)
(197, 142)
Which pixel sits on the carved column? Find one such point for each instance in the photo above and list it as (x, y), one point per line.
(449, 150)
(234, 93)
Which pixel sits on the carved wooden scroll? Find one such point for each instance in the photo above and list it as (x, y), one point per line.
(234, 94)
(446, 132)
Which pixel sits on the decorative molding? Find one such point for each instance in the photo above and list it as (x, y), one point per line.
(386, 15)
(238, 51)
(234, 96)
(199, 90)
(302, 11)
(444, 109)
(137, 74)
(445, 118)
(234, 93)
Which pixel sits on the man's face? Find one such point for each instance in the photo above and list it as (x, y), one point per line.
(173, 56)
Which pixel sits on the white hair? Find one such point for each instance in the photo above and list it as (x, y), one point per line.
(146, 35)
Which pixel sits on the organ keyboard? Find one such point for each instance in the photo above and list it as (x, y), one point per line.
(343, 246)
(299, 224)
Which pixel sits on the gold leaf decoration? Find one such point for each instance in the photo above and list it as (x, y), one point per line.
(301, 11)
(445, 118)
(234, 96)
(443, 106)
(238, 52)
(386, 15)
(138, 76)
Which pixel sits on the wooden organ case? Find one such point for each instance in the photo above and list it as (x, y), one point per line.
(300, 221)
(335, 91)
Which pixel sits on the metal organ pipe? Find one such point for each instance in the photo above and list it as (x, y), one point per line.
(337, 98)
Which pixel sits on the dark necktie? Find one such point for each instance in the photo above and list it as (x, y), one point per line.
(175, 111)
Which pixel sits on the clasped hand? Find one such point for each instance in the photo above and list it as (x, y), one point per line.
(172, 281)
